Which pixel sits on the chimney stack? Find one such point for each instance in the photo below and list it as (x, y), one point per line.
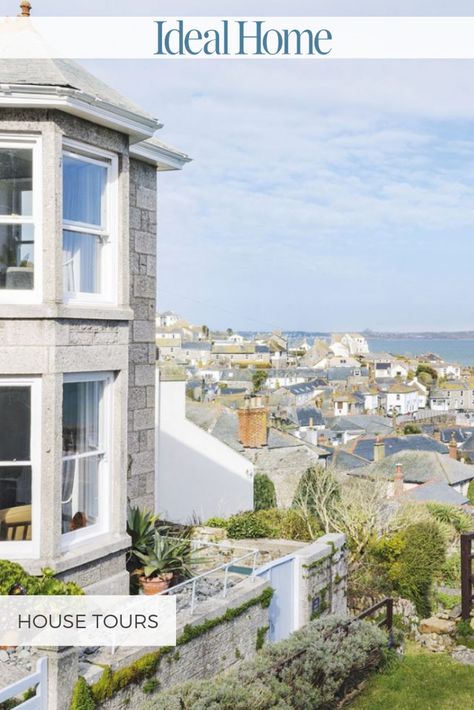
(437, 435)
(453, 448)
(379, 450)
(253, 415)
(25, 7)
(398, 481)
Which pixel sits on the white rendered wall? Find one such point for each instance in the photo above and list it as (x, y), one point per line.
(197, 476)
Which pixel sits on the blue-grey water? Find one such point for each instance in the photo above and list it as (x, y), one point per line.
(459, 351)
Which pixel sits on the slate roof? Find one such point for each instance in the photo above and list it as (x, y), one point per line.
(345, 461)
(66, 74)
(305, 414)
(436, 492)
(343, 373)
(305, 387)
(223, 423)
(396, 444)
(369, 423)
(419, 467)
(461, 434)
(196, 345)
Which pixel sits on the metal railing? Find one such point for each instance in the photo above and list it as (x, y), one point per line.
(225, 568)
(38, 679)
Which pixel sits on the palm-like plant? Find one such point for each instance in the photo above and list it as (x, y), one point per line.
(141, 528)
(168, 556)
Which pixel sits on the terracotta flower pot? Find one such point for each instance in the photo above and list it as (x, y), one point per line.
(155, 585)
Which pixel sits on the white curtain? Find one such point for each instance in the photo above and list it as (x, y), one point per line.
(81, 262)
(82, 435)
(83, 190)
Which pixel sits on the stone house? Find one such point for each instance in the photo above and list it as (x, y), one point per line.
(78, 179)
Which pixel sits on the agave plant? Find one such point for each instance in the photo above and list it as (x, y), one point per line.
(141, 528)
(169, 556)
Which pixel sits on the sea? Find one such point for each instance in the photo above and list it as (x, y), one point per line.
(450, 350)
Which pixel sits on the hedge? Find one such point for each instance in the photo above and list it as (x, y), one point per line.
(314, 668)
(12, 573)
(274, 523)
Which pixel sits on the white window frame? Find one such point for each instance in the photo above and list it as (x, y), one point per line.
(28, 549)
(34, 142)
(75, 537)
(108, 232)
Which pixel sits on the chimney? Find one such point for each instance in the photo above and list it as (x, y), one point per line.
(25, 7)
(379, 450)
(453, 448)
(253, 423)
(437, 435)
(398, 481)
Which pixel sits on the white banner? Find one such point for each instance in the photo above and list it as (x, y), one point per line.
(88, 620)
(238, 37)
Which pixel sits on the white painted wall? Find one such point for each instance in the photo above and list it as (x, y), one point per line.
(197, 476)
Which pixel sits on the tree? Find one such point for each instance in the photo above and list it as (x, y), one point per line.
(229, 332)
(205, 331)
(259, 377)
(264, 496)
(316, 497)
(426, 374)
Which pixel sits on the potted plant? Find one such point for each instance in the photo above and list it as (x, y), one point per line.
(168, 558)
(141, 528)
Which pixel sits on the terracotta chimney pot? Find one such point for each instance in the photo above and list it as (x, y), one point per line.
(453, 448)
(25, 7)
(398, 481)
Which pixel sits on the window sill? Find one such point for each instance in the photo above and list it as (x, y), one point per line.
(85, 552)
(45, 310)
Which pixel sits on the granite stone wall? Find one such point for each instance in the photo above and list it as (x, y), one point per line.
(142, 350)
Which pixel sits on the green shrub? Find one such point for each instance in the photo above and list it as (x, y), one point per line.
(264, 496)
(411, 429)
(447, 601)
(217, 522)
(12, 573)
(450, 573)
(465, 634)
(414, 556)
(247, 525)
(274, 523)
(470, 492)
(450, 515)
(82, 698)
(314, 668)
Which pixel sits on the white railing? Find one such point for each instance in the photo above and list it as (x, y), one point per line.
(191, 584)
(38, 679)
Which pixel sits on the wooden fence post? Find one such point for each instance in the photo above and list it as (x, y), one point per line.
(466, 575)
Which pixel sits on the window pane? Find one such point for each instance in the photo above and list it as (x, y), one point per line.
(17, 256)
(82, 256)
(15, 423)
(15, 503)
(80, 493)
(83, 191)
(81, 417)
(16, 181)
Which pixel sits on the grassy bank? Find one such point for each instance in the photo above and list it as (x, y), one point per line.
(419, 681)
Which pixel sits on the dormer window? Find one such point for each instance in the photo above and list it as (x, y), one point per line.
(89, 224)
(20, 204)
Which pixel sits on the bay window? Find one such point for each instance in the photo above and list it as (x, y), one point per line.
(19, 471)
(20, 204)
(89, 234)
(86, 454)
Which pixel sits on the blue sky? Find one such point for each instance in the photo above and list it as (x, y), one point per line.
(322, 195)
